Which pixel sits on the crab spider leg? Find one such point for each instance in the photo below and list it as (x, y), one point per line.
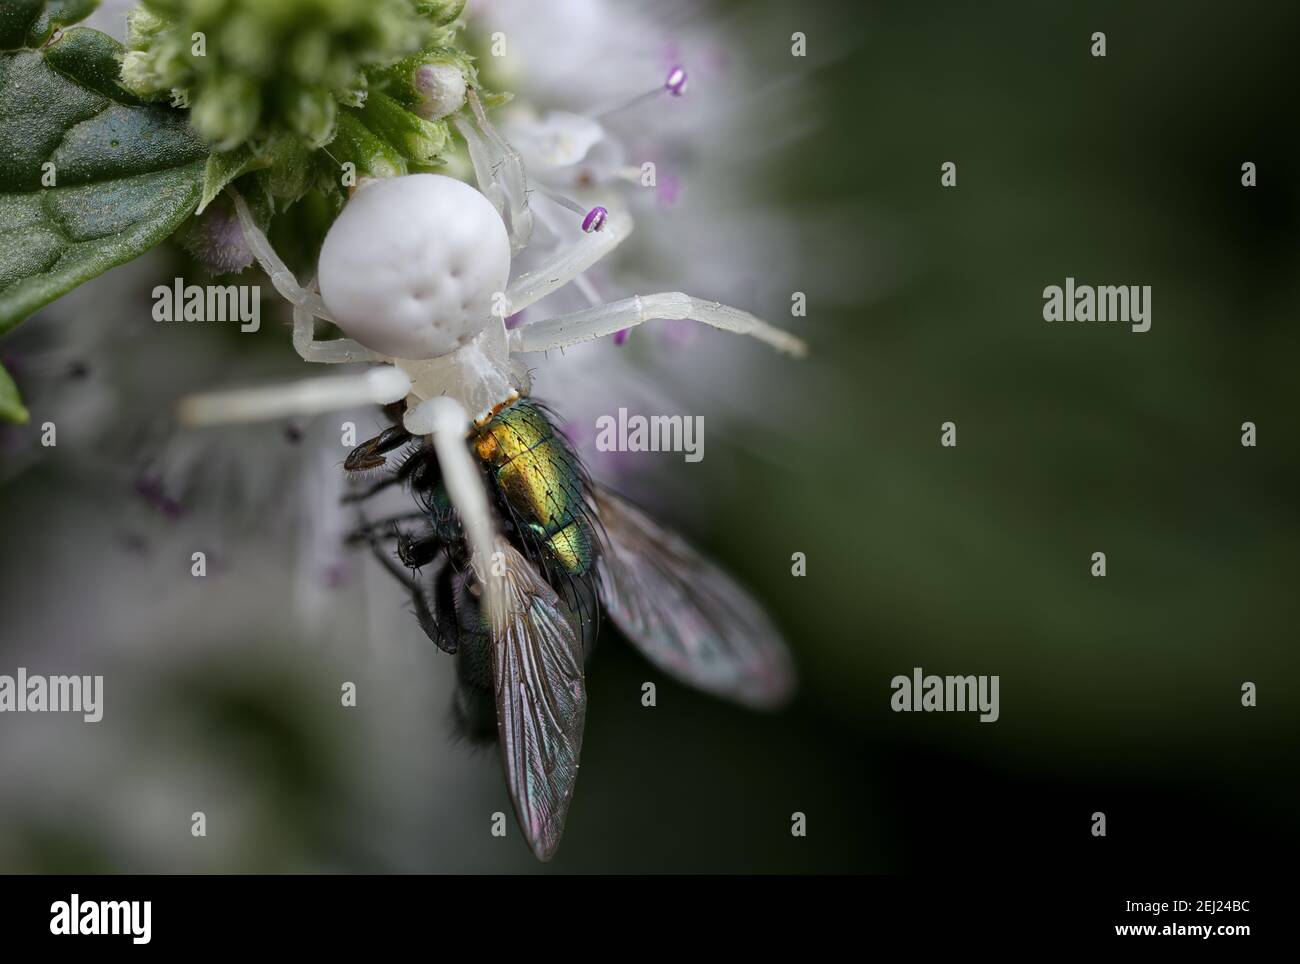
(333, 352)
(483, 166)
(445, 420)
(499, 171)
(281, 277)
(307, 304)
(601, 320)
(510, 168)
(567, 263)
(380, 385)
(580, 281)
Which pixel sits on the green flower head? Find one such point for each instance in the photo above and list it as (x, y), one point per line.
(257, 70)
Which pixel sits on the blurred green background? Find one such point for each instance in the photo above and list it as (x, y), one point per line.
(1119, 694)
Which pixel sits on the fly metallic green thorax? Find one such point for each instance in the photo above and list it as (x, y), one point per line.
(541, 481)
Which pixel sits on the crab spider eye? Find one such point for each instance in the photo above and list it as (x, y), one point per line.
(409, 268)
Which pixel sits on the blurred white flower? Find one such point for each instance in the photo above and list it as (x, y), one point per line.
(706, 225)
(101, 545)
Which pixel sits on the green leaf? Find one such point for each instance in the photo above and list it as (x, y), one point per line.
(357, 143)
(11, 405)
(126, 173)
(222, 168)
(29, 23)
(416, 138)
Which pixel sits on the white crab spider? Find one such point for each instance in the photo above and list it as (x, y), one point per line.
(414, 272)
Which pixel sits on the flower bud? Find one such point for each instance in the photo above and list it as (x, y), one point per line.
(138, 75)
(372, 156)
(431, 84)
(420, 140)
(225, 112)
(311, 112)
(440, 90)
(216, 239)
(440, 11)
(142, 25)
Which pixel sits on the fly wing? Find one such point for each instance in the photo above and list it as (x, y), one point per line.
(541, 702)
(686, 614)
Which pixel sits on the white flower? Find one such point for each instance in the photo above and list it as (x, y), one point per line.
(704, 226)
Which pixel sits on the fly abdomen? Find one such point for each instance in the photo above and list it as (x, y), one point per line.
(541, 482)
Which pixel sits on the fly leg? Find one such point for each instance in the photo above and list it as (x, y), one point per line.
(414, 551)
(444, 595)
(371, 454)
(383, 528)
(442, 631)
(417, 470)
(418, 552)
(425, 610)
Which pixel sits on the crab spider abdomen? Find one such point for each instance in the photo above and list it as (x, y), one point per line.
(410, 267)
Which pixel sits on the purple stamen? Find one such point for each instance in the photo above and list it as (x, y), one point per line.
(676, 82)
(595, 219)
(621, 336)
